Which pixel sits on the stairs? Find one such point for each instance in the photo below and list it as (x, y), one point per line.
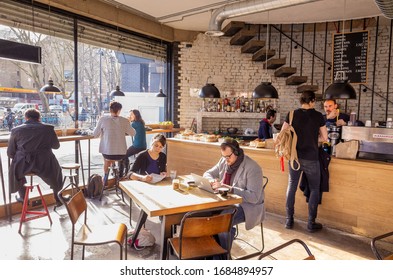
(243, 35)
(252, 46)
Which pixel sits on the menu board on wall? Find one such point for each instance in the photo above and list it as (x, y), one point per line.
(350, 55)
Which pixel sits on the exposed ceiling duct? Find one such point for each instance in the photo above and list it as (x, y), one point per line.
(245, 8)
(386, 7)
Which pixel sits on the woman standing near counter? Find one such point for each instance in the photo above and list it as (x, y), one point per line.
(310, 128)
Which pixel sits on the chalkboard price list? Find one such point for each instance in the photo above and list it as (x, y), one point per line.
(350, 55)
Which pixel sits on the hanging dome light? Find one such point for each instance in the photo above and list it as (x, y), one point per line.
(340, 88)
(265, 90)
(209, 91)
(116, 92)
(161, 93)
(49, 87)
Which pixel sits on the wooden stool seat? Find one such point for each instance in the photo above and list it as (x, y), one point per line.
(71, 166)
(72, 175)
(28, 215)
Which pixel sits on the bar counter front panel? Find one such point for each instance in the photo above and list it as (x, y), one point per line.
(360, 199)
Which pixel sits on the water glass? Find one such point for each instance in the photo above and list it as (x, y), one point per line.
(172, 174)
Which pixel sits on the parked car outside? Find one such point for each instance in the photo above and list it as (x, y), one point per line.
(22, 107)
(56, 108)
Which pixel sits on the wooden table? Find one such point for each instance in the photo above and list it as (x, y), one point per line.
(161, 200)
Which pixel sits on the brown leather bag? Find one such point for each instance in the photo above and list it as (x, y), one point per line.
(285, 144)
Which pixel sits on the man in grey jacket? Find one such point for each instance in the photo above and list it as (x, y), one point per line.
(243, 176)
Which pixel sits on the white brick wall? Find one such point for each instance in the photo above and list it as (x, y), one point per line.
(235, 74)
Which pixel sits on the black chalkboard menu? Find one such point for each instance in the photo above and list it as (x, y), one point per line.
(350, 55)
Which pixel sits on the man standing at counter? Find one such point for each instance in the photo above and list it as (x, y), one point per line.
(265, 125)
(243, 176)
(333, 115)
(30, 147)
(310, 128)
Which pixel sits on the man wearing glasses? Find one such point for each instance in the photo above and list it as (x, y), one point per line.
(243, 177)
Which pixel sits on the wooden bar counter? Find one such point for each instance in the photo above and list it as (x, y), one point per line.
(360, 199)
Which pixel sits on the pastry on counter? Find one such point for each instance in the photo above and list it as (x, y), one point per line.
(258, 143)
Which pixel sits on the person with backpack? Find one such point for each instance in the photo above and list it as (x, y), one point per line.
(310, 128)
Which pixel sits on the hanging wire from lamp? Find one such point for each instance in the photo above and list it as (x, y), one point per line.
(161, 67)
(340, 88)
(209, 90)
(49, 87)
(265, 89)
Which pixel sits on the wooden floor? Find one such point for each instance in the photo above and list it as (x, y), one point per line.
(40, 241)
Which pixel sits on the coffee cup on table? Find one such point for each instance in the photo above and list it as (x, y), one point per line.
(368, 123)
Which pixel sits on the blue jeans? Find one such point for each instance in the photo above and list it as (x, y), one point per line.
(237, 219)
(312, 171)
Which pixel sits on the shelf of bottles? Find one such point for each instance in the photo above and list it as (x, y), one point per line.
(236, 104)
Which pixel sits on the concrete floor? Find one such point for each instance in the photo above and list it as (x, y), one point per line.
(38, 240)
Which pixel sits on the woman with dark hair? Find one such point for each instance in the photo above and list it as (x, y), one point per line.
(150, 161)
(310, 128)
(139, 141)
(113, 129)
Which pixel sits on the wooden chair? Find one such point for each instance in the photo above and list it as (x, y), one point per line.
(259, 251)
(105, 234)
(198, 230)
(286, 244)
(376, 252)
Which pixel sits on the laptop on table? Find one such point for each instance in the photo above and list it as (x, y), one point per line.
(203, 183)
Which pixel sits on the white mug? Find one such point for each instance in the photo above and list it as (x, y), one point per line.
(368, 123)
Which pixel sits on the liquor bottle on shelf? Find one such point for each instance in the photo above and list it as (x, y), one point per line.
(251, 105)
(238, 104)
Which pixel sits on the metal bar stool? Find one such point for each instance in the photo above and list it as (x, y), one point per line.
(33, 214)
(114, 167)
(70, 172)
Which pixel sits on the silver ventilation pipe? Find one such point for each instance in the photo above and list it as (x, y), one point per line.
(246, 8)
(386, 7)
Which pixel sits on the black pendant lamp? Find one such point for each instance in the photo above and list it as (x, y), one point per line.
(209, 91)
(340, 88)
(161, 93)
(117, 92)
(49, 87)
(265, 90)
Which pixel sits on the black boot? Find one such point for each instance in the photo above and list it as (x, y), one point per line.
(313, 226)
(289, 222)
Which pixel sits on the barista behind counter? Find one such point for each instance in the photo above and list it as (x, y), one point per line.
(333, 115)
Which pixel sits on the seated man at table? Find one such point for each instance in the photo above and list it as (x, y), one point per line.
(30, 148)
(243, 176)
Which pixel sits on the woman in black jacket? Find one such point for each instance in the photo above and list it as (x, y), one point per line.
(151, 161)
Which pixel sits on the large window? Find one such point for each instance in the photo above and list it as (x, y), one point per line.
(107, 58)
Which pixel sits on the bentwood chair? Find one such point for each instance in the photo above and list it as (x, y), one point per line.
(258, 251)
(376, 251)
(198, 232)
(269, 253)
(86, 236)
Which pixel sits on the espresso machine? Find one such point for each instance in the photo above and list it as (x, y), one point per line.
(375, 143)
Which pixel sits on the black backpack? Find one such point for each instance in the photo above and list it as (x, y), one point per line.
(94, 187)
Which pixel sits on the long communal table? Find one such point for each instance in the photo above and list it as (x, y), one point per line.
(161, 200)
